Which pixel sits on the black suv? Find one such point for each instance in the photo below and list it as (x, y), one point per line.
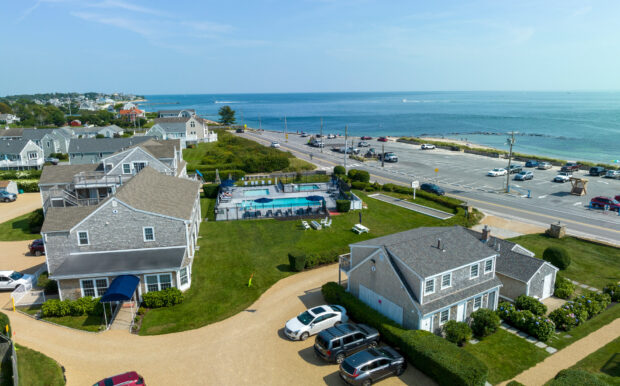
(597, 171)
(336, 343)
(432, 188)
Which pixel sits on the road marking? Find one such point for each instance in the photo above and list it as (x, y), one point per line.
(543, 196)
(577, 203)
(603, 182)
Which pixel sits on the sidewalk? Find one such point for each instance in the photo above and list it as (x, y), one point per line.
(411, 206)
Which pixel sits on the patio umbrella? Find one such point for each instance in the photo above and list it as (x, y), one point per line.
(315, 198)
(228, 183)
(263, 200)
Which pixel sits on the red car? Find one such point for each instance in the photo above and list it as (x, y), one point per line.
(126, 379)
(617, 198)
(37, 248)
(365, 138)
(382, 139)
(602, 202)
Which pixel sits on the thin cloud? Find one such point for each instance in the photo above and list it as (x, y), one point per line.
(582, 11)
(115, 21)
(207, 26)
(112, 4)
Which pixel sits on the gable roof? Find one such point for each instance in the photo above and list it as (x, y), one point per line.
(12, 132)
(460, 295)
(154, 192)
(12, 146)
(104, 145)
(162, 148)
(63, 219)
(174, 127)
(169, 120)
(175, 111)
(418, 248)
(63, 174)
(36, 134)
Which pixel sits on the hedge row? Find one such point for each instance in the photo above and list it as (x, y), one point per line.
(441, 360)
(613, 290)
(82, 306)
(537, 326)
(524, 302)
(28, 186)
(210, 190)
(164, 298)
(35, 221)
(571, 377)
(4, 321)
(574, 313)
(20, 174)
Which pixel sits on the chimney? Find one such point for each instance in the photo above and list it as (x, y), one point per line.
(486, 234)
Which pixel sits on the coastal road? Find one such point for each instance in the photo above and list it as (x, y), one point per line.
(464, 176)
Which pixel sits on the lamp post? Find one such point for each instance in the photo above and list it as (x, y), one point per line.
(511, 142)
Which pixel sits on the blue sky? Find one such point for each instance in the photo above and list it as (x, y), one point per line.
(151, 47)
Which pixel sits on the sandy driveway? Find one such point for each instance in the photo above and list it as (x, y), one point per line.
(25, 203)
(248, 348)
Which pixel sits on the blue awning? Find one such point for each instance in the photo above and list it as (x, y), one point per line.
(228, 183)
(121, 289)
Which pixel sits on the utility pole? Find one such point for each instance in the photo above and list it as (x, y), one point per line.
(382, 155)
(511, 142)
(345, 148)
(322, 143)
(285, 133)
(259, 123)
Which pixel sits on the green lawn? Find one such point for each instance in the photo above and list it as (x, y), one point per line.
(593, 264)
(86, 322)
(563, 339)
(506, 355)
(232, 251)
(605, 363)
(17, 229)
(36, 369)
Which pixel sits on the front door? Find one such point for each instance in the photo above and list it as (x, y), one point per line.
(427, 323)
(460, 312)
(491, 301)
(547, 287)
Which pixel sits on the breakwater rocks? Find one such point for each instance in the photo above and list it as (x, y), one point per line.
(465, 134)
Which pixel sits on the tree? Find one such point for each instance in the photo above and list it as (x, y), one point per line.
(227, 115)
(5, 109)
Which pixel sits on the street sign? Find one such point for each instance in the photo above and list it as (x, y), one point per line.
(415, 184)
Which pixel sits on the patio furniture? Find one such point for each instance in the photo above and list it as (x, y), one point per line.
(323, 221)
(269, 213)
(305, 225)
(359, 229)
(315, 225)
(245, 183)
(328, 223)
(278, 213)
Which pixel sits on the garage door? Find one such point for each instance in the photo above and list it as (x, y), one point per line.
(381, 304)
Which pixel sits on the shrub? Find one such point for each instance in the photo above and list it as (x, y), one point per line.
(339, 170)
(594, 303)
(514, 383)
(613, 290)
(35, 221)
(359, 175)
(343, 206)
(446, 363)
(457, 332)
(538, 326)
(28, 186)
(570, 377)
(164, 298)
(4, 321)
(210, 190)
(82, 306)
(564, 288)
(56, 308)
(359, 185)
(48, 285)
(316, 259)
(557, 256)
(60, 156)
(297, 261)
(484, 322)
(524, 302)
(388, 187)
(568, 316)
(141, 311)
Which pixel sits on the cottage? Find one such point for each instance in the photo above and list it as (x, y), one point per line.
(9, 186)
(20, 154)
(185, 113)
(9, 118)
(93, 150)
(188, 129)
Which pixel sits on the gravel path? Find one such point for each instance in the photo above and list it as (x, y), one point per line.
(248, 348)
(25, 203)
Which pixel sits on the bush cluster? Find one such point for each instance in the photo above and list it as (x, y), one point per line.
(60, 156)
(4, 321)
(28, 186)
(210, 190)
(297, 261)
(356, 175)
(574, 313)
(50, 286)
(164, 298)
(35, 221)
(537, 326)
(524, 302)
(316, 259)
(457, 332)
(82, 306)
(343, 206)
(564, 288)
(209, 175)
(570, 377)
(20, 174)
(557, 256)
(484, 322)
(613, 290)
(444, 362)
(339, 170)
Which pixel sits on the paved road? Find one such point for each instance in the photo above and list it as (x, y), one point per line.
(464, 176)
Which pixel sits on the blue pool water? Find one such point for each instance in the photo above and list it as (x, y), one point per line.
(303, 188)
(281, 203)
(256, 192)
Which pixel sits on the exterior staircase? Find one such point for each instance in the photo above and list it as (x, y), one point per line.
(124, 317)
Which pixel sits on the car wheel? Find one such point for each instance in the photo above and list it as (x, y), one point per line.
(340, 358)
(367, 382)
(372, 344)
(400, 370)
(304, 336)
(37, 253)
(6, 200)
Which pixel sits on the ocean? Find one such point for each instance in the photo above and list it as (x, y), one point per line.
(568, 125)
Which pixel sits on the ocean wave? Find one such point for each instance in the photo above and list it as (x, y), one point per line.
(426, 101)
(222, 102)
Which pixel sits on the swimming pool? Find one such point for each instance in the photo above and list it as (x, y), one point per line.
(303, 188)
(281, 203)
(256, 192)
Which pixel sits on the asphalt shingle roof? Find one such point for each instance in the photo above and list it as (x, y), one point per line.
(12, 132)
(418, 248)
(63, 219)
(459, 295)
(143, 260)
(103, 145)
(171, 127)
(63, 174)
(36, 134)
(12, 146)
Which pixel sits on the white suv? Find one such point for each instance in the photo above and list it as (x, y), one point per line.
(12, 279)
(428, 146)
(315, 320)
(497, 172)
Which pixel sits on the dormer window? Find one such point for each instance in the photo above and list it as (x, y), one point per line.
(488, 266)
(446, 280)
(126, 169)
(429, 287)
(473, 271)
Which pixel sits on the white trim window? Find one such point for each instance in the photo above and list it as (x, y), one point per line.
(429, 287)
(94, 287)
(183, 273)
(33, 155)
(477, 302)
(139, 165)
(474, 271)
(126, 168)
(158, 282)
(444, 316)
(488, 266)
(446, 280)
(148, 233)
(83, 238)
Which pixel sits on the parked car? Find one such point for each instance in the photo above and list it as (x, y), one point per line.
(531, 163)
(597, 171)
(524, 176)
(427, 146)
(515, 169)
(382, 139)
(613, 174)
(602, 202)
(315, 320)
(570, 167)
(36, 248)
(389, 157)
(562, 177)
(316, 143)
(338, 342)
(126, 379)
(304, 134)
(365, 138)
(349, 150)
(7, 197)
(544, 165)
(372, 365)
(363, 144)
(370, 153)
(331, 136)
(432, 188)
(497, 172)
(275, 144)
(239, 131)
(13, 279)
(617, 198)
(52, 160)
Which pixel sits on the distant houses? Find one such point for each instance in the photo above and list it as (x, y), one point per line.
(185, 113)
(20, 154)
(8, 118)
(189, 130)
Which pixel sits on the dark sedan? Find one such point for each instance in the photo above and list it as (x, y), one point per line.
(369, 366)
(432, 188)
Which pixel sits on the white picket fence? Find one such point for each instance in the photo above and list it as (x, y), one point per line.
(24, 295)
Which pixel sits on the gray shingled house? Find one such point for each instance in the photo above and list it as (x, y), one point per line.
(20, 154)
(423, 277)
(190, 129)
(93, 150)
(147, 228)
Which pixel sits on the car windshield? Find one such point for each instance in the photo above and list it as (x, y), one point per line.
(321, 342)
(306, 318)
(16, 276)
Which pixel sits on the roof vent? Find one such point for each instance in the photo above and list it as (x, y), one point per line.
(498, 246)
(440, 245)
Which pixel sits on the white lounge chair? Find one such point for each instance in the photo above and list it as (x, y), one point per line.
(328, 223)
(324, 221)
(305, 225)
